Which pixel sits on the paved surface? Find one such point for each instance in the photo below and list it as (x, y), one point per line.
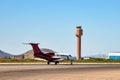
(60, 72)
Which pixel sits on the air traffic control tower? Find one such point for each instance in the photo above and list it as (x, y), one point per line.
(78, 33)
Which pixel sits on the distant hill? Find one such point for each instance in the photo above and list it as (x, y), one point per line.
(98, 56)
(4, 54)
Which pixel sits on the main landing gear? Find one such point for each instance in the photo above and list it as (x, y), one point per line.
(48, 62)
(55, 62)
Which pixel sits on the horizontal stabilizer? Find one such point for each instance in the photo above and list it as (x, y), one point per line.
(30, 43)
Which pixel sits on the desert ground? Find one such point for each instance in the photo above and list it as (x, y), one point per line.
(60, 72)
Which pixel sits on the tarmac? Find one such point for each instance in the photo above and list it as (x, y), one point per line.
(60, 72)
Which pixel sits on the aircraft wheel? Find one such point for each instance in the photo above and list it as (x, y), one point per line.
(56, 63)
(71, 62)
(48, 62)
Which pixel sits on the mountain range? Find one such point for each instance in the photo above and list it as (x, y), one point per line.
(4, 54)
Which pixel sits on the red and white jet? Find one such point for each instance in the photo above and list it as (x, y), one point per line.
(50, 57)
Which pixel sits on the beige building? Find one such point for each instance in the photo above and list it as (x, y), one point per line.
(18, 56)
(26, 55)
(29, 55)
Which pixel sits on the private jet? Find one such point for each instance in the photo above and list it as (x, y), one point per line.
(49, 57)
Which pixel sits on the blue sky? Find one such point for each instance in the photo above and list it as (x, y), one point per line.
(52, 24)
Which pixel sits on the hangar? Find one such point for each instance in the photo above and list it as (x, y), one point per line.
(114, 55)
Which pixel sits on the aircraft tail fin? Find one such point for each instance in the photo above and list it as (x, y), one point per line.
(36, 49)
